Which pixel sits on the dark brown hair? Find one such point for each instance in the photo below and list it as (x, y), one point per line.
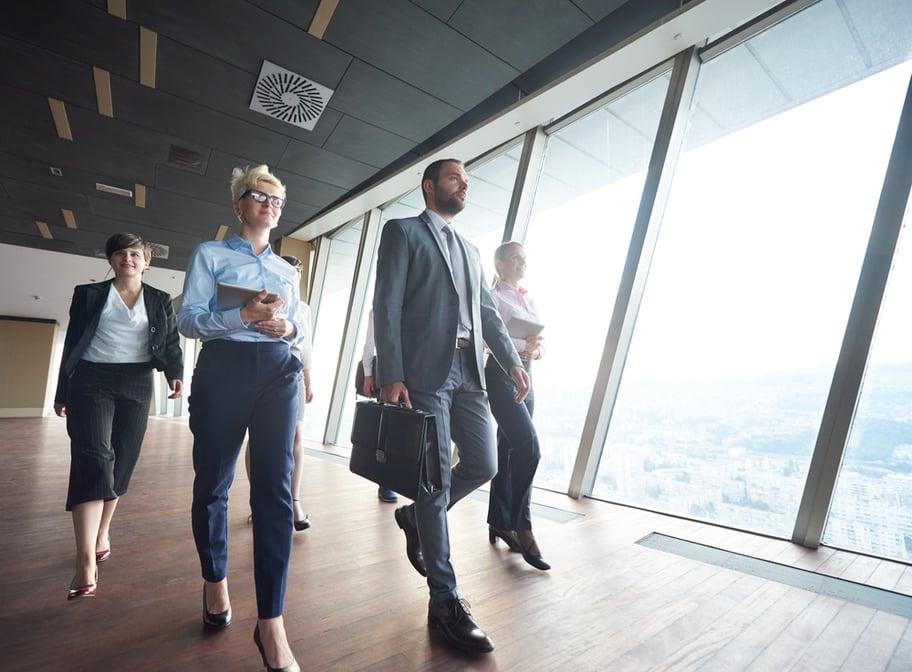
(125, 241)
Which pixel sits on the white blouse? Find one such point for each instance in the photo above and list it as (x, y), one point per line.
(122, 336)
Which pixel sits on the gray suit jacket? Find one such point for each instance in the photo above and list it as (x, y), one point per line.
(416, 308)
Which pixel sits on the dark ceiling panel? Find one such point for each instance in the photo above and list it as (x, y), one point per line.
(179, 181)
(599, 9)
(399, 108)
(26, 110)
(241, 34)
(41, 72)
(298, 13)
(365, 143)
(521, 32)
(410, 44)
(442, 9)
(183, 119)
(102, 39)
(338, 170)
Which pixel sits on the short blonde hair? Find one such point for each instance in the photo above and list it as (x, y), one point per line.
(246, 178)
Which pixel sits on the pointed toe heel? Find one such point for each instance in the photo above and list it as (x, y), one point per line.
(210, 620)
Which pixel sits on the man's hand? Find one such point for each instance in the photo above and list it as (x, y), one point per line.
(368, 388)
(523, 383)
(395, 393)
(177, 388)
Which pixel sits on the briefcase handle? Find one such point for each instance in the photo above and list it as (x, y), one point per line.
(380, 453)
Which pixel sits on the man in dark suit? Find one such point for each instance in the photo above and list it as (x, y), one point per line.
(432, 316)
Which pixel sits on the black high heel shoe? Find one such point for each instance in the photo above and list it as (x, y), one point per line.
(534, 559)
(302, 524)
(220, 620)
(509, 538)
(294, 667)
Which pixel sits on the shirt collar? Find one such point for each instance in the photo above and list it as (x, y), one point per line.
(438, 221)
(235, 242)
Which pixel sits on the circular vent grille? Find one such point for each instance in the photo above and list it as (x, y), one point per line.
(290, 98)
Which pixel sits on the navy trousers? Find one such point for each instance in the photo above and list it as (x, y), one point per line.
(238, 389)
(518, 452)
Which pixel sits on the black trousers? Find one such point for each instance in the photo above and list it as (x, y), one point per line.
(107, 410)
(243, 388)
(518, 452)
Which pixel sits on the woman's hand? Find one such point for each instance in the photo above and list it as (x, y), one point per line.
(275, 328)
(60, 410)
(256, 310)
(533, 349)
(177, 388)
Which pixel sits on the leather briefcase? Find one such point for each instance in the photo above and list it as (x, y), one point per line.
(391, 446)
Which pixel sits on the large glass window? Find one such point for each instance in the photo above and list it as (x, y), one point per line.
(872, 505)
(329, 324)
(755, 270)
(583, 214)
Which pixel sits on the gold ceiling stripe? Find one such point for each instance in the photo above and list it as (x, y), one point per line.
(69, 218)
(222, 230)
(118, 8)
(139, 195)
(148, 54)
(103, 91)
(61, 121)
(321, 18)
(44, 230)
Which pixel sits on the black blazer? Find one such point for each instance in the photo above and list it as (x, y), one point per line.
(85, 311)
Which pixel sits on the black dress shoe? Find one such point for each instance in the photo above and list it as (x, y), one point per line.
(412, 542)
(454, 620)
(220, 620)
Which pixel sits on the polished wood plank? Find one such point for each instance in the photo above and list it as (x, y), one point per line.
(354, 603)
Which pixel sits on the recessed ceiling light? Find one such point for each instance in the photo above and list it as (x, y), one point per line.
(117, 191)
(61, 121)
(44, 230)
(56, 171)
(69, 218)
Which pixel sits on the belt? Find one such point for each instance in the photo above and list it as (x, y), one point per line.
(462, 343)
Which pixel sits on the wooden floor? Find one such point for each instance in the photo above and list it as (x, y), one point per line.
(355, 603)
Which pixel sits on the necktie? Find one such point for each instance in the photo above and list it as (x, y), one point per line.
(458, 266)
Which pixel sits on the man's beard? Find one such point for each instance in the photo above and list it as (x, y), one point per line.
(451, 206)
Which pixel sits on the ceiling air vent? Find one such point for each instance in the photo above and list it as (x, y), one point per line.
(289, 97)
(186, 158)
(160, 251)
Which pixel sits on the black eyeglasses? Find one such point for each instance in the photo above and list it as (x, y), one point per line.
(260, 197)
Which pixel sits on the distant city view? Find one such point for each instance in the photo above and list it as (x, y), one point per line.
(736, 452)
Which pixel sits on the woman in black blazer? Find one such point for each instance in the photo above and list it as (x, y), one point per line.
(119, 331)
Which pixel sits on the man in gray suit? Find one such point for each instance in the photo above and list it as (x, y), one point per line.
(432, 316)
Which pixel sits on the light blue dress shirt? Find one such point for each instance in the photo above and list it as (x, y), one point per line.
(233, 261)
